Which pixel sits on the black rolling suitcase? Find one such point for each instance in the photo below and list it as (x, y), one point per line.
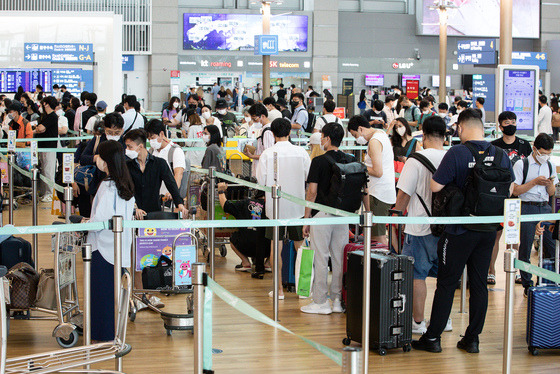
(391, 300)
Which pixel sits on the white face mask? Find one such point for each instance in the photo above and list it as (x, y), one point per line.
(10, 116)
(426, 111)
(175, 105)
(323, 146)
(361, 140)
(459, 111)
(257, 125)
(401, 131)
(442, 115)
(41, 109)
(101, 165)
(206, 138)
(60, 112)
(131, 154)
(206, 115)
(113, 137)
(2, 109)
(541, 159)
(247, 119)
(155, 144)
(222, 111)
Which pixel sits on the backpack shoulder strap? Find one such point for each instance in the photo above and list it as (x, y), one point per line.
(525, 169)
(549, 168)
(411, 147)
(424, 161)
(170, 156)
(498, 155)
(475, 152)
(330, 159)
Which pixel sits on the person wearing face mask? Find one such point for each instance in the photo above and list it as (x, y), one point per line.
(375, 116)
(91, 111)
(246, 122)
(443, 112)
(381, 170)
(115, 197)
(535, 182)
(214, 154)
(461, 106)
(101, 108)
(517, 149)
(388, 109)
(460, 245)
(19, 124)
(265, 139)
(56, 92)
(426, 112)
(328, 116)
(208, 119)
(48, 128)
(163, 148)
(329, 239)
(402, 141)
(411, 112)
(171, 111)
(299, 114)
(271, 107)
(228, 119)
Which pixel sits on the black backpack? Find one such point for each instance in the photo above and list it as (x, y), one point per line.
(446, 203)
(311, 119)
(347, 181)
(486, 188)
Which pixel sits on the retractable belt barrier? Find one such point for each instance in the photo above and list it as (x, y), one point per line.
(538, 271)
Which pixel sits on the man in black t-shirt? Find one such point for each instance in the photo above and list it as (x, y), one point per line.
(247, 242)
(331, 239)
(47, 128)
(376, 117)
(516, 149)
(90, 100)
(281, 93)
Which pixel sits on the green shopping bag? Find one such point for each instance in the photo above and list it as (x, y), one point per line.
(304, 270)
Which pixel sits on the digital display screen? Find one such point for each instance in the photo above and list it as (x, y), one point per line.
(11, 79)
(519, 96)
(435, 81)
(236, 32)
(375, 79)
(409, 78)
(478, 18)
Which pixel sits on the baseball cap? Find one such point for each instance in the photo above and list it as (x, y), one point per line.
(101, 105)
(221, 104)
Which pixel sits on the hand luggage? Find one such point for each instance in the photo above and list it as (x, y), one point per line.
(15, 250)
(543, 320)
(391, 300)
(158, 277)
(289, 255)
(23, 286)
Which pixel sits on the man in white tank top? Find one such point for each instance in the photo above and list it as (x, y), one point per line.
(381, 170)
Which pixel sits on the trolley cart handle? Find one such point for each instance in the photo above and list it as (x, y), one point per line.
(174, 247)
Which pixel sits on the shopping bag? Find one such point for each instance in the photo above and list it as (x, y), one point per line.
(304, 270)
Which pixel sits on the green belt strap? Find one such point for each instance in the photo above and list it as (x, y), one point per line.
(43, 150)
(207, 330)
(249, 311)
(539, 272)
(25, 140)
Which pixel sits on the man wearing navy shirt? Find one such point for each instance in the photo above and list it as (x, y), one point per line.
(459, 246)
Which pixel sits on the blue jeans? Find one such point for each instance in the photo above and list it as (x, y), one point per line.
(527, 237)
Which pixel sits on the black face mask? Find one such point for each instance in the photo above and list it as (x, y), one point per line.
(294, 103)
(509, 130)
(192, 106)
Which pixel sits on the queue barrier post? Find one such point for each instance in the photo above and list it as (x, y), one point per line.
(117, 227)
(198, 281)
(509, 259)
(367, 223)
(464, 280)
(351, 360)
(211, 211)
(34, 219)
(11, 162)
(68, 202)
(275, 249)
(86, 257)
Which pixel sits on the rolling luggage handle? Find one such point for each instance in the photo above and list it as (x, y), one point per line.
(400, 303)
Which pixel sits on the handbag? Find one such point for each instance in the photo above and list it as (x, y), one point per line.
(304, 270)
(158, 277)
(84, 175)
(23, 285)
(46, 290)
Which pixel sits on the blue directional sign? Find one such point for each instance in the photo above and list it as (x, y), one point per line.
(476, 52)
(484, 85)
(128, 63)
(539, 59)
(81, 53)
(266, 45)
(479, 45)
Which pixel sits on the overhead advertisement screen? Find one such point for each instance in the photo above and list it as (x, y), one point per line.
(236, 32)
(480, 18)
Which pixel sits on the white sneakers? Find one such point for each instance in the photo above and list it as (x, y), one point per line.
(46, 199)
(271, 294)
(449, 325)
(314, 308)
(419, 328)
(325, 308)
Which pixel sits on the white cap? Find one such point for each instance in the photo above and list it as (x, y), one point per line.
(193, 86)
(315, 138)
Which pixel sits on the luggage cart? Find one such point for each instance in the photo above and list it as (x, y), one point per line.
(67, 312)
(63, 361)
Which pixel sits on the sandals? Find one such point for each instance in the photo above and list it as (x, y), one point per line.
(518, 279)
(491, 279)
(240, 267)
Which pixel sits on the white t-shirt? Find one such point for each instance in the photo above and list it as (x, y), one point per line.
(216, 122)
(132, 120)
(91, 122)
(329, 117)
(274, 114)
(195, 132)
(178, 162)
(545, 120)
(415, 179)
(293, 168)
(537, 193)
(383, 188)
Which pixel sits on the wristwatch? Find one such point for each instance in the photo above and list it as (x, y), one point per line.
(221, 192)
